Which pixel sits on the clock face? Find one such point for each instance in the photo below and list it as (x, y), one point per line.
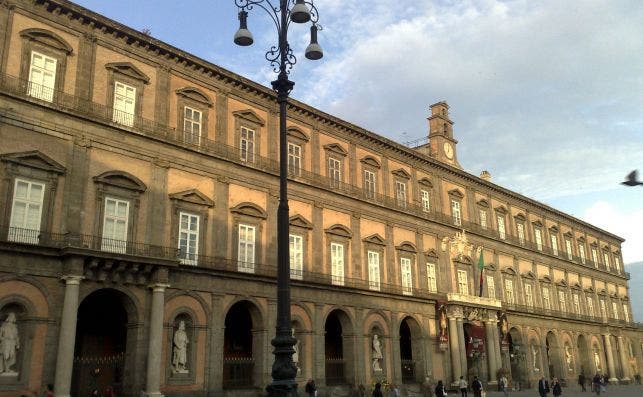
(448, 150)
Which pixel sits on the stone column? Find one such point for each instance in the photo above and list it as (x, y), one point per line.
(319, 352)
(360, 342)
(454, 347)
(496, 343)
(67, 338)
(396, 359)
(491, 350)
(610, 358)
(463, 344)
(623, 358)
(155, 344)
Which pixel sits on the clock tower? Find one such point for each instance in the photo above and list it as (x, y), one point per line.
(441, 141)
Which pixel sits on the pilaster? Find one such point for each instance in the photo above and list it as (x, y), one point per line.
(85, 66)
(75, 186)
(162, 98)
(611, 369)
(221, 128)
(221, 231)
(158, 197)
(356, 249)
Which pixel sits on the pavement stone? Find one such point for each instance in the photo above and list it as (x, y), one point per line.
(573, 391)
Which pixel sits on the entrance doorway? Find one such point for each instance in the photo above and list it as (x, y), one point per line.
(238, 358)
(101, 340)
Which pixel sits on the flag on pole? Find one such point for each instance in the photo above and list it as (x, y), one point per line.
(481, 268)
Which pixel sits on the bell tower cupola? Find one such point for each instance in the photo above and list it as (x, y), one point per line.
(441, 141)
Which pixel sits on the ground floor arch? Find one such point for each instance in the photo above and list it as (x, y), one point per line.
(411, 354)
(517, 358)
(553, 355)
(338, 348)
(584, 361)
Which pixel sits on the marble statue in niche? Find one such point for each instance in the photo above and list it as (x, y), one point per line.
(180, 350)
(377, 354)
(9, 345)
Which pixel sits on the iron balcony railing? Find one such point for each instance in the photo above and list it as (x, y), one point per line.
(60, 100)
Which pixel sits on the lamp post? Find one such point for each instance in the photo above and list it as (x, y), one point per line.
(282, 59)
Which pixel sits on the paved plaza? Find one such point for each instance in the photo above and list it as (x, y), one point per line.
(573, 391)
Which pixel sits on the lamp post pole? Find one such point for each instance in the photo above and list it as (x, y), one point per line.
(282, 60)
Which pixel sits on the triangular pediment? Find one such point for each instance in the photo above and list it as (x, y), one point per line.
(576, 286)
(406, 246)
(509, 271)
(250, 116)
(568, 234)
(401, 173)
(553, 229)
(375, 239)
(545, 279)
(530, 275)
(456, 193)
(193, 196)
(501, 209)
(431, 253)
(121, 179)
(371, 161)
(297, 134)
(483, 203)
(336, 148)
(299, 221)
(128, 69)
(195, 94)
(49, 39)
(490, 267)
(34, 159)
(589, 289)
(249, 209)
(520, 217)
(426, 182)
(562, 283)
(537, 223)
(466, 259)
(339, 230)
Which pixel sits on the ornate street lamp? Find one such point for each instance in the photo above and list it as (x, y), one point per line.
(282, 59)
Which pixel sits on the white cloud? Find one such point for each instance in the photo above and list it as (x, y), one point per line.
(626, 224)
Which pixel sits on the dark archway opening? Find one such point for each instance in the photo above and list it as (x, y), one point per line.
(238, 360)
(406, 353)
(334, 348)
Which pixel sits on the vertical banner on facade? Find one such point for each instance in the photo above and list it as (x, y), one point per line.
(443, 324)
(504, 331)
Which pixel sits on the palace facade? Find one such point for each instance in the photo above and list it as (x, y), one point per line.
(138, 201)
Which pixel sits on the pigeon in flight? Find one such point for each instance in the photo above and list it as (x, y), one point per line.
(632, 180)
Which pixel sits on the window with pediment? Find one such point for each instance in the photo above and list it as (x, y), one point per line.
(247, 134)
(501, 215)
(300, 228)
(374, 246)
(594, 250)
(193, 106)
(606, 259)
(561, 288)
(406, 253)
(370, 171)
(553, 236)
(455, 197)
(538, 235)
(337, 245)
(118, 195)
(126, 83)
(545, 292)
(589, 299)
(519, 220)
(568, 246)
(581, 250)
(401, 178)
(248, 222)
(29, 185)
(335, 156)
(432, 270)
(189, 219)
(44, 63)
(297, 141)
(617, 261)
(509, 276)
(426, 187)
(483, 213)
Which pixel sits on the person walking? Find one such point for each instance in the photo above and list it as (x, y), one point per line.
(581, 381)
(556, 388)
(393, 391)
(310, 388)
(462, 384)
(377, 392)
(504, 385)
(543, 387)
(476, 385)
(596, 384)
(427, 387)
(440, 391)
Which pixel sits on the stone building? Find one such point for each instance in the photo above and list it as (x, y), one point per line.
(138, 196)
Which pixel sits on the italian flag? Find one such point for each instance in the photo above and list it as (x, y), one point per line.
(481, 268)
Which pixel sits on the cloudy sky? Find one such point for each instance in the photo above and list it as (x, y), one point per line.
(545, 95)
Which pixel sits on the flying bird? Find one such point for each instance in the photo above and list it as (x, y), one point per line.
(631, 179)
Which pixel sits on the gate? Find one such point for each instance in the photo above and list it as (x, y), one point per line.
(98, 372)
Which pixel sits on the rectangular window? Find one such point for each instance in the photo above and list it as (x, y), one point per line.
(483, 219)
(501, 227)
(546, 299)
(455, 212)
(509, 291)
(296, 257)
(426, 203)
(529, 295)
(188, 238)
(615, 310)
(626, 313)
(568, 248)
(400, 193)
(192, 125)
(595, 257)
(554, 244)
(115, 224)
(561, 300)
(407, 280)
(246, 254)
(590, 306)
(576, 303)
(606, 260)
(334, 171)
(247, 144)
(124, 104)
(431, 277)
(26, 211)
(374, 270)
(617, 263)
(337, 263)
(601, 302)
(369, 183)
(521, 233)
(463, 282)
(539, 239)
(491, 287)
(42, 76)
(581, 253)
(294, 159)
